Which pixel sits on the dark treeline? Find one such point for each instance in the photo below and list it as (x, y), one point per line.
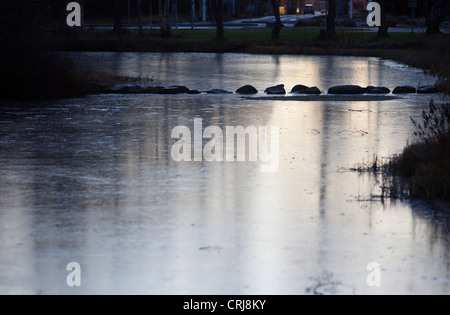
(52, 12)
(100, 9)
(103, 9)
(29, 68)
(435, 11)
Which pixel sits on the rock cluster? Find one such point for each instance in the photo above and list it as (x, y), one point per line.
(272, 90)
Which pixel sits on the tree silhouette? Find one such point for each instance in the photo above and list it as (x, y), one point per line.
(278, 25)
(218, 15)
(139, 12)
(164, 17)
(117, 27)
(331, 16)
(383, 29)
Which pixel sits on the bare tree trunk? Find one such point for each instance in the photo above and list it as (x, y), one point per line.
(278, 25)
(151, 14)
(331, 16)
(164, 17)
(220, 34)
(117, 19)
(139, 10)
(383, 29)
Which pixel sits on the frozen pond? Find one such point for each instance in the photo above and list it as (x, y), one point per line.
(92, 180)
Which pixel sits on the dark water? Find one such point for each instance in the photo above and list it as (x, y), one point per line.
(92, 180)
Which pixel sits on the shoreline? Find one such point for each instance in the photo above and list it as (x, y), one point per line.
(426, 52)
(423, 51)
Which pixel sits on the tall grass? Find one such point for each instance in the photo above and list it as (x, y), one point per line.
(422, 170)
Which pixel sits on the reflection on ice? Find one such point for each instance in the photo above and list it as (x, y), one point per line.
(92, 181)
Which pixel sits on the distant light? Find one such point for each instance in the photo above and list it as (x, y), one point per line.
(298, 11)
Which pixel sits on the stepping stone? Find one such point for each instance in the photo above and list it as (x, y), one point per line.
(278, 89)
(247, 89)
(378, 90)
(404, 90)
(346, 89)
(125, 89)
(312, 90)
(427, 90)
(299, 88)
(153, 89)
(176, 89)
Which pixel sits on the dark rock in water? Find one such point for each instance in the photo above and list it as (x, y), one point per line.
(153, 89)
(346, 89)
(176, 89)
(194, 92)
(247, 89)
(278, 89)
(404, 90)
(181, 88)
(311, 90)
(377, 90)
(169, 90)
(218, 91)
(383, 88)
(134, 89)
(303, 89)
(427, 90)
(125, 89)
(299, 88)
